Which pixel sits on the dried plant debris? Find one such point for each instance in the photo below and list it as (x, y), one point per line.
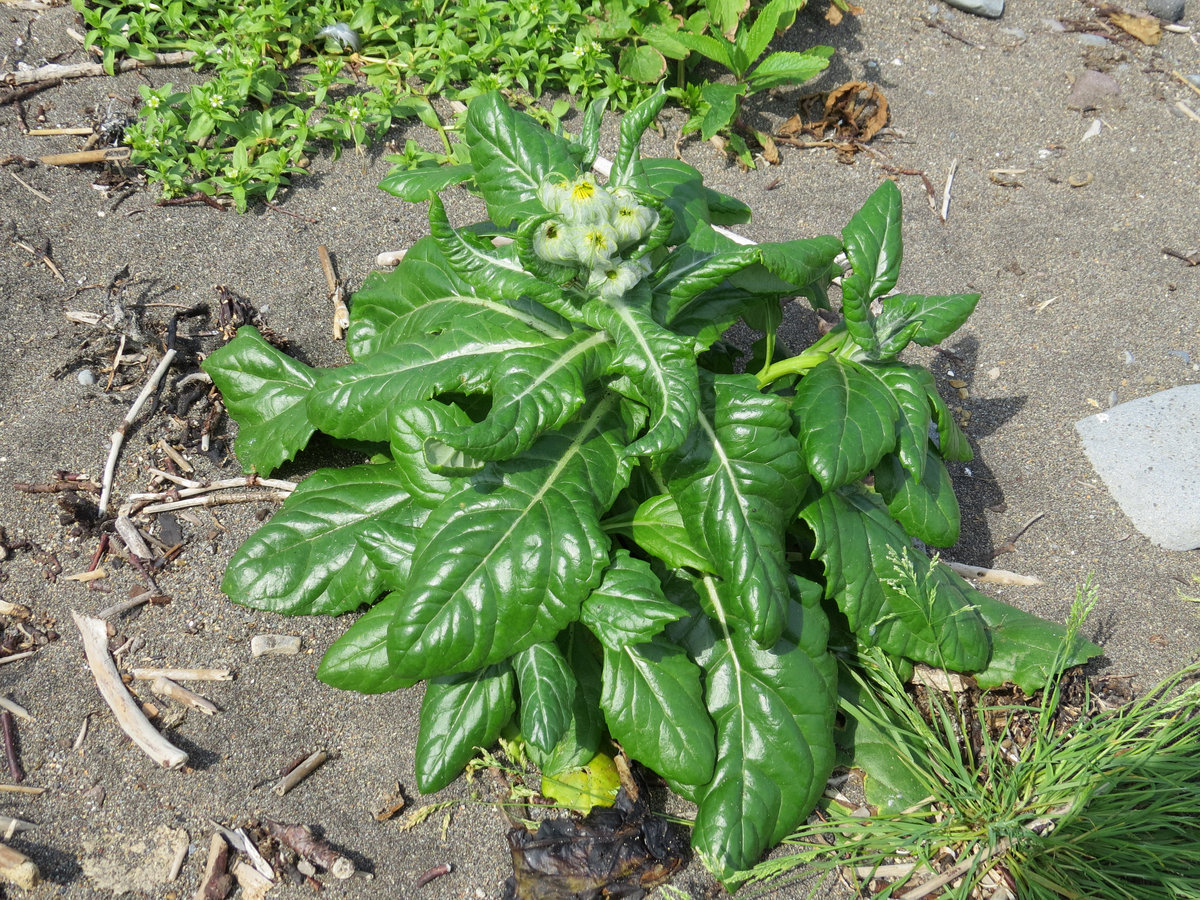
(846, 117)
(622, 851)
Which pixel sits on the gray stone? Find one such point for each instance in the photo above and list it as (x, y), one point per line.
(991, 9)
(1092, 89)
(1147, 452)
(1092, 40)
(1169, 10)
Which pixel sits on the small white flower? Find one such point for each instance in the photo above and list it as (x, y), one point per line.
(553, 243)
(631, 220)
(614, 282)
(216, 101)
(355, 114)
(154, 101)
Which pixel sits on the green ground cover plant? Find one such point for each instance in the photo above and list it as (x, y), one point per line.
(581, 517)
(284, 74)
(1103, 808)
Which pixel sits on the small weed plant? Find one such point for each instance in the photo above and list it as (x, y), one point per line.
(284, 74)
(580, 518)
(1105, 809)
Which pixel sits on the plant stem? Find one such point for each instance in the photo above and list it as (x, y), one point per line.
(799, 365)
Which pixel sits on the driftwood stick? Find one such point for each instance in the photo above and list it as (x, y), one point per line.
(15, 708)
(302, 771)
(183, 674)
(165, 687)
(131, 719)
(217, 882)
(992, 576)
(118, 609)
(10, 826)
(92, 70)
(218, 500)
(10, 747)
(118, 436)
(318, 852)
(18, 868)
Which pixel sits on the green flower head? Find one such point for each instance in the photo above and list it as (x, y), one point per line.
(630, 219)
(553, 243)
(612, 282)
(586, 203)
(594, 245)
(553, 193)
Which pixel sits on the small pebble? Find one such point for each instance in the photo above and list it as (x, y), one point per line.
(1054, 25)
(86, 377)
(1018, 33)
(1168, 10)
(274, 645)
(1091, 89)
(1092, 40)
(991, 9)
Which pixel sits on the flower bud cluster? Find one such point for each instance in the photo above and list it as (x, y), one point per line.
(591, 228)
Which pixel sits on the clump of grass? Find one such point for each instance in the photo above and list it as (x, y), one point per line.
(1106, 809)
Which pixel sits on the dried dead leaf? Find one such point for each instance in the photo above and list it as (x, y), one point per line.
(833, 15)
(1145, 28)
(857, 110)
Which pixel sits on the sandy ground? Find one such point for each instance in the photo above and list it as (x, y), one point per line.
(1079, 306)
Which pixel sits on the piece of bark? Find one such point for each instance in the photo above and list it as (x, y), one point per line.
(129, 716)
(18, 869)
(300, 838)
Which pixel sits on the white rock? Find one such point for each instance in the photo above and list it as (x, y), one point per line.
(991, 9)
(274, 645)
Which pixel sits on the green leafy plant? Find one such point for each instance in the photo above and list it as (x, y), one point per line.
(738, 45)
(1104, 808)
(581, 519)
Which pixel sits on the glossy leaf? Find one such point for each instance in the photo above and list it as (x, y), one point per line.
(774, 711)
(415, 185)
(928, 509)
(633, 126)
(738, 480)
(658, 529)
(628, 607)
(357, 661)
(1023, 646)
(654, 706)
(938, 317)
(930, 620)
(848, 421)
(662, 367)
(873, 246)
(265, 391)
(485, 583)
(546, 684)
(460, 713)
(410, 425)
(585, 731)
(512, 155)
(308, 558)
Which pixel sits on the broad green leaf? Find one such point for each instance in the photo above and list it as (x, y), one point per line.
(642, 63)
(787, 67)
(660, 364)
(921, 615)
(774, 710)
(952, 442)
(726, 15)
(683, 192)
(308, 558)
(654, 706)
(722, 100)
(460, 713)
(462, 345)
(738, 480)
(585, 732)
(587, 144)
(410, 425)
(938, 316)
(512, 155)
(658, 529)
(927, 509)
(628, 607)
(894, 764)
(415, 185)
(848, 420)
(633, 125)
(387, 297)
(1024, 647)
(873, 245)
(357, 661)
(547, 686)
(265, 391)
(912, 428)
(506, 562)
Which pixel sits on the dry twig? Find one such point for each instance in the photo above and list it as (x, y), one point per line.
(118, 436)
(92, 70)
(131, 719)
